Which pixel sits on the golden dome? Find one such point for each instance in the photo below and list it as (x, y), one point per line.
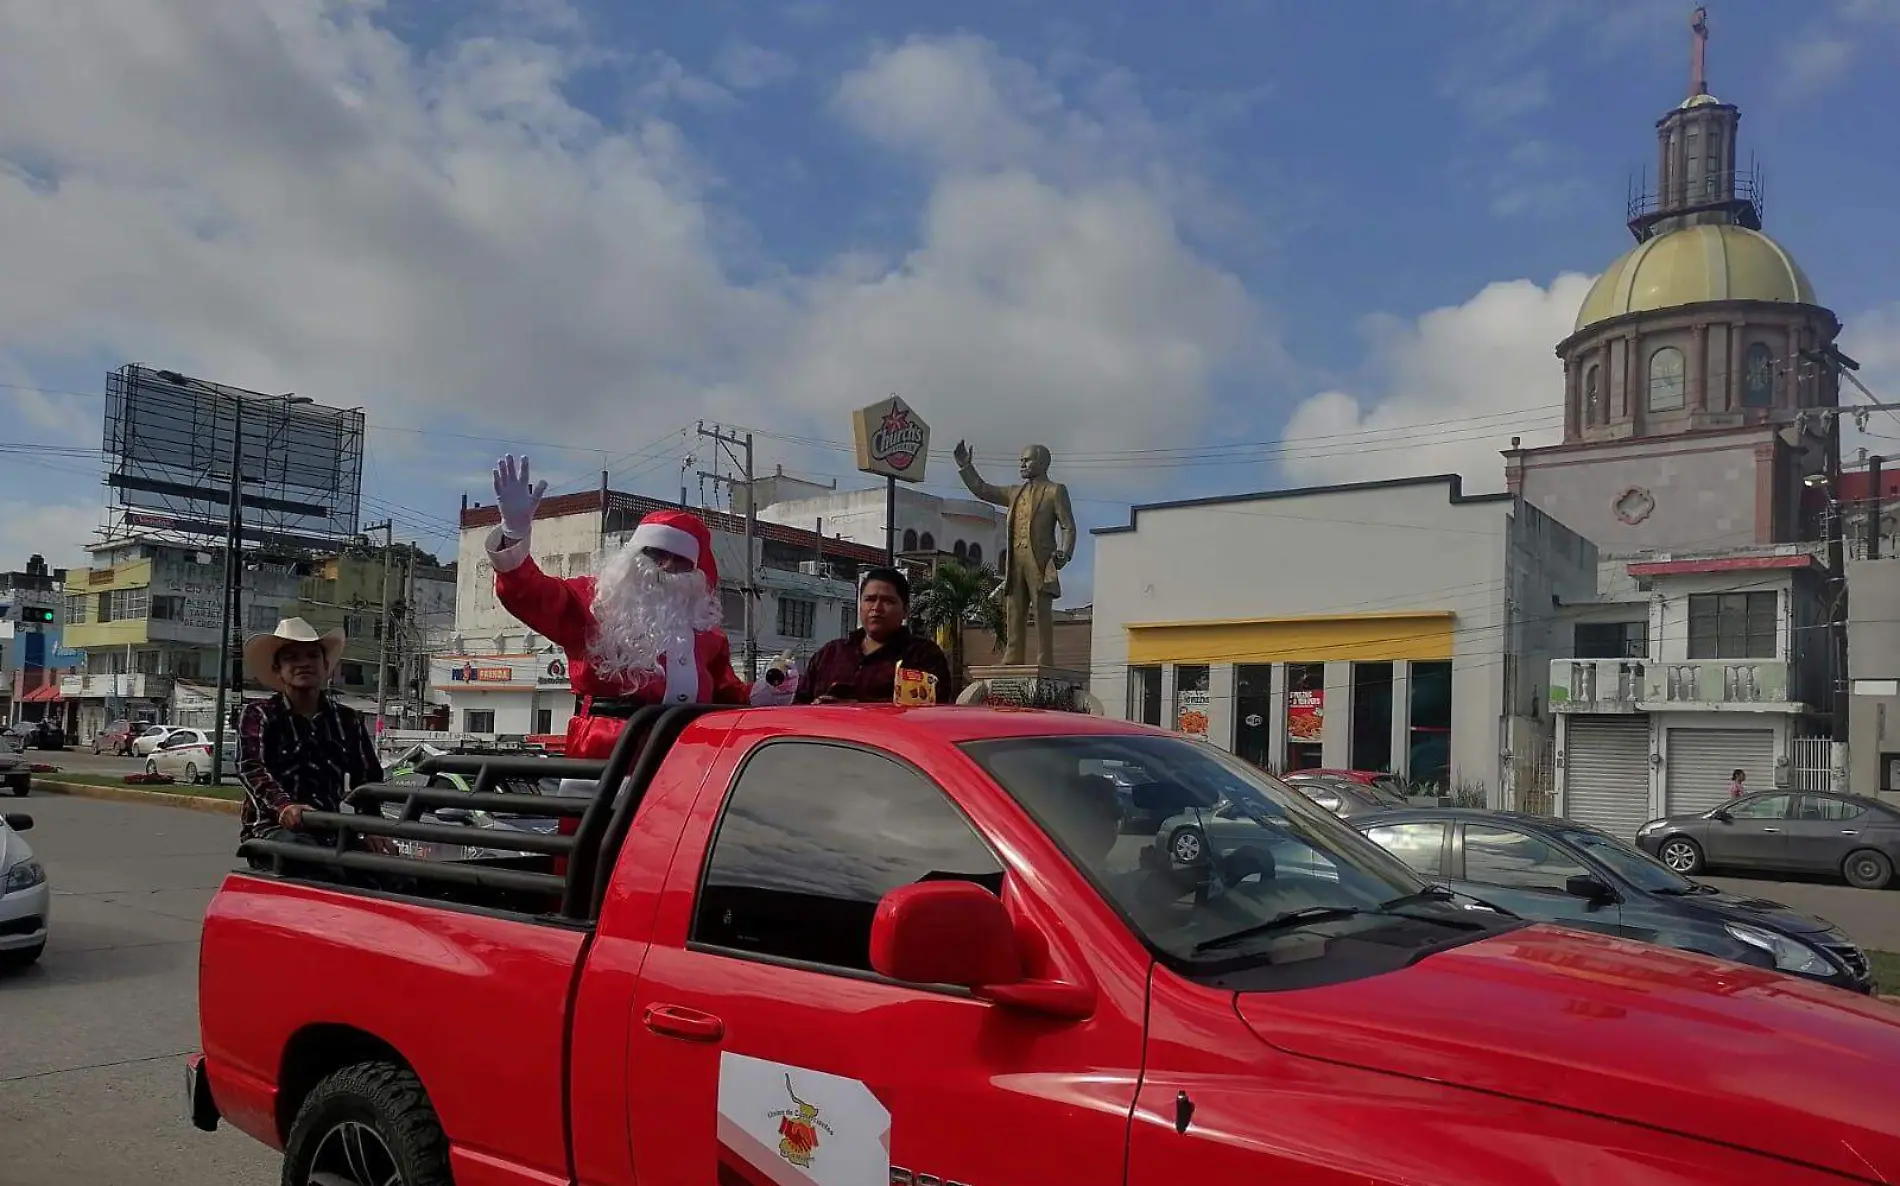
(1692, 265)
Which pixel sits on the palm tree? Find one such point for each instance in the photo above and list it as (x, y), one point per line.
(954, 597)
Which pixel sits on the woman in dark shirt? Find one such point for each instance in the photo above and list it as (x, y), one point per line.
(862, 666)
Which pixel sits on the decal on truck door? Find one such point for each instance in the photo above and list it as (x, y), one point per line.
(781, 1125)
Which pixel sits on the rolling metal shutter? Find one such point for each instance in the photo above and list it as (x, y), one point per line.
(1606, 773)
(1699, 762)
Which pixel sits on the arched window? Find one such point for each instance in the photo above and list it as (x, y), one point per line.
(910, 541)
(1668, 382)
(1593, 410)
(976, 553)
(961, 550)
(928, 543)
(1758, 377)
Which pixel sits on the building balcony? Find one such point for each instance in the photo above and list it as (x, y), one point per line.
(126, 686)
(1639, 685)
(1596, 685)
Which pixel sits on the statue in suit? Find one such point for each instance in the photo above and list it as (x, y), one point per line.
(1041, 538)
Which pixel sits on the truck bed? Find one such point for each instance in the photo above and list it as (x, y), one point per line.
(482, 992)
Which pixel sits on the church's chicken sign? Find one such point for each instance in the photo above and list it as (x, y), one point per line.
(892, 440)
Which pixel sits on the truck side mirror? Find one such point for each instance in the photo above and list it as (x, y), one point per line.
(958, 933)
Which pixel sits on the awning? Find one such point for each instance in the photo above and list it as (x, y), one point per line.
(44, 694)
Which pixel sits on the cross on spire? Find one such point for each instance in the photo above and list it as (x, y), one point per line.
(1698, 56)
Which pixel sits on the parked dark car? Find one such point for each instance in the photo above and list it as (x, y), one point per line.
(1345, 797)
(117, 737)
(37, 735)
(1556, 871)
(1849, 836)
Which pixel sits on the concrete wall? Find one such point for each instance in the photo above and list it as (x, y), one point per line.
(1873, 665)
(1708, 492)
(1331, 552)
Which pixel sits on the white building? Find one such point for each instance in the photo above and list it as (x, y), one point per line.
(501, 679)
(1684, 669)
(1402, 626)
(962, 527)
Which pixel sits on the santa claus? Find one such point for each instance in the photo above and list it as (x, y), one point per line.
(645, 630)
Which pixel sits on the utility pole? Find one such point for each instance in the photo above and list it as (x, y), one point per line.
(388, 528)
(1841, 700)
(233, 537)
(738, 450)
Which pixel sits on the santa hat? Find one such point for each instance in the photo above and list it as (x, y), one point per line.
(683, 534)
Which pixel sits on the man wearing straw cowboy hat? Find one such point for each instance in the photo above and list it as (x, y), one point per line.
(300, 750)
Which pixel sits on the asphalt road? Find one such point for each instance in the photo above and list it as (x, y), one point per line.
(92, 1039)
(82, 761)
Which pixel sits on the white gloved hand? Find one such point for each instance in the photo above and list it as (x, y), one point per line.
(765, 694)
(517, 496)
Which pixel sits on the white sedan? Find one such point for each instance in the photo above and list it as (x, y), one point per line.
(185, 756)
(147, 743)
(25, 899)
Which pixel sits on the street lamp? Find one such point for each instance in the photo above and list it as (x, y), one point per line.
(233, 541)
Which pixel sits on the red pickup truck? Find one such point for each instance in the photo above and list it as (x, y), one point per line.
(876, 945)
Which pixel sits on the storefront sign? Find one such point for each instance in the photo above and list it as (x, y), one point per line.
(1305, 717)
(892, 441)
(468, 673)
(1191, 712)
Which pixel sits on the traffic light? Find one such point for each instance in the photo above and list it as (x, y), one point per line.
(33, 614)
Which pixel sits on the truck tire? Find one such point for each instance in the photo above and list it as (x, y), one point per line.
(367, 1125)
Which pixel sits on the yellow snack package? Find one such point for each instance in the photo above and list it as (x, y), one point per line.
(913, 687)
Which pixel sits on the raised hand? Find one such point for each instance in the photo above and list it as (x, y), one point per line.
(962, 453)
(517, 495)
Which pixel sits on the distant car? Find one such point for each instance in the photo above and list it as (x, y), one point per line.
(185, 755)
(117, 737)
(25, 898)
(15, 773)
(1382, 780)
(27, 735)
(1850, 836)
(147, 742)
(1344, 797)
(1556, 871)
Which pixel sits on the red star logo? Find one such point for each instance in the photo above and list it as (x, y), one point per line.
(897, 419)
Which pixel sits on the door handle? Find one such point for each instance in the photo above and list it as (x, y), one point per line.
(1850, 831)
(675, 1021)
(1771, 829)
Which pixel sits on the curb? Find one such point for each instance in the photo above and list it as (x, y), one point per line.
(86, 790)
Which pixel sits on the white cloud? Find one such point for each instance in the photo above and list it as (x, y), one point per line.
(1821, 56)
(290, 197)
(55, 532)
(1445, 393)
(748, 67)
(1873, 340)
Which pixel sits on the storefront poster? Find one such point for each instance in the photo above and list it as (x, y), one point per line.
(1305, 717)
(1191, 712)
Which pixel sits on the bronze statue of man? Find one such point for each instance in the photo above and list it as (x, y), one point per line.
(1041, 539)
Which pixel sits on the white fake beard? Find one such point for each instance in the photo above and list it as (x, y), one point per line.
(642, 612)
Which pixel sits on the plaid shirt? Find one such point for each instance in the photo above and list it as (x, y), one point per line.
(285, 757)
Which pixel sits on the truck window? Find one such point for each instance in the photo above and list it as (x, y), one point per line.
(814, 834)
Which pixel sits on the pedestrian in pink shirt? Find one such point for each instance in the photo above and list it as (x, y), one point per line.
(1735, 784)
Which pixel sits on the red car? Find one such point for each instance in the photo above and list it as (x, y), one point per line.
(851, 944)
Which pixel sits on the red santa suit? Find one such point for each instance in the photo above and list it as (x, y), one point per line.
(562, 610)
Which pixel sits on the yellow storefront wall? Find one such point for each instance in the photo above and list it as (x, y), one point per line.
(136, 574)
(1417, 635)
(106, 634)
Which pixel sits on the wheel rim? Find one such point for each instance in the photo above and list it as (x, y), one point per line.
(1187, 848)
(1678, 856)
(151, 767)
(1865, 869)
(191, 772)
(353, 1154)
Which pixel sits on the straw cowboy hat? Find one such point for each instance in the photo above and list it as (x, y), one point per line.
(260, 651)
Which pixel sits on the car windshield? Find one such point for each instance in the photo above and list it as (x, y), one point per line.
(1241, 863)
(1631, 863)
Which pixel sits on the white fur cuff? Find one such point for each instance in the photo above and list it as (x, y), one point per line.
(666, 539)
(509, 558)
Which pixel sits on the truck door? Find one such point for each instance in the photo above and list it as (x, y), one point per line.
(763, 1047)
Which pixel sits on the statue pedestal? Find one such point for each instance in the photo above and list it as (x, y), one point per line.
(1030, 685)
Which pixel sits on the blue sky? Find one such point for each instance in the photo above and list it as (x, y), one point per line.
(1256, 247)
